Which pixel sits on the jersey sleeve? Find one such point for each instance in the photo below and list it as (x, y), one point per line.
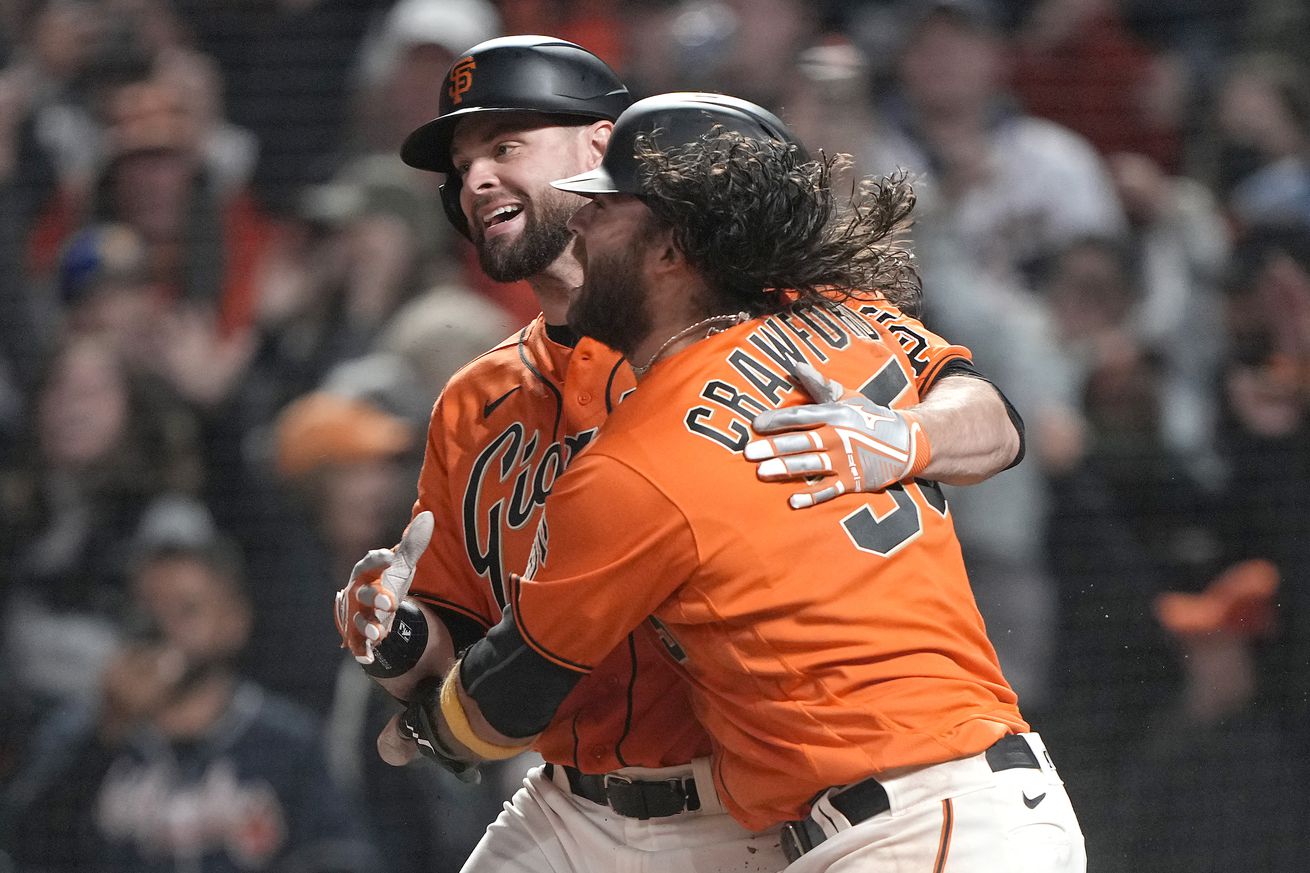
(615, 548)
(927, 352)
(610, 550)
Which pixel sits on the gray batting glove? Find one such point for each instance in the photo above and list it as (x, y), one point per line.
(366, 607)
(843, 443)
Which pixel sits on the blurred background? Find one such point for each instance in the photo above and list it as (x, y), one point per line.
(226, 308)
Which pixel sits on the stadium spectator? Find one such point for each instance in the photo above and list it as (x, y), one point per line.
(1178, 250)
(42, 120)
(1079, 65)
(1257, 820)
(350, 465)
(286, 65)
(831, 103)
(102, 446)
(45, 83)
(1008, 188)
(742, 47)
(180, 764)
(104, 290)
(204, 242)
(1266, 443)
(1262, 114)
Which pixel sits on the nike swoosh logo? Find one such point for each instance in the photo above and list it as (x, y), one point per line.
(1031, 802)
(491, 407)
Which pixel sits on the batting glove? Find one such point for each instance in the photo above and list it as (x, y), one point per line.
(366, 607)
(843, 443)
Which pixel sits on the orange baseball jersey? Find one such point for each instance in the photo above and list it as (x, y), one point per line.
(501, 433)
(822, 645)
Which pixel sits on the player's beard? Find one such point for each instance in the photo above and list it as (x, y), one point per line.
(611, 305)
(544, 238)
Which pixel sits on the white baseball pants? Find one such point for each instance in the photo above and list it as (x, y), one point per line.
(957, 817)
(545, 828)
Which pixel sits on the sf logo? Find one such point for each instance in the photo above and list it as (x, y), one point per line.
(461, 78)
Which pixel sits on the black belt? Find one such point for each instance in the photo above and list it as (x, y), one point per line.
(864, 800)
(633, 798)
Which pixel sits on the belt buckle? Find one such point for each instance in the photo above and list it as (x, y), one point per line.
(625, 796)
(795, 841)
(636, 798)
(619, 778)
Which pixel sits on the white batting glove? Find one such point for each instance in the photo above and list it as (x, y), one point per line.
(843, 443)
(366, 607)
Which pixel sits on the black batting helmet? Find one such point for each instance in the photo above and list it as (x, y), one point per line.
(674, 119)
(512, 74)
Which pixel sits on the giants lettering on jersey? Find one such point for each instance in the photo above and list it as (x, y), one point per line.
(540, 544)
(532, 466)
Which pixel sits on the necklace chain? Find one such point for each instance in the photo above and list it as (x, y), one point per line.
(726, 320)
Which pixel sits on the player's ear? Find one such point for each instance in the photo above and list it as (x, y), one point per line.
(663, 250)
(597, 139)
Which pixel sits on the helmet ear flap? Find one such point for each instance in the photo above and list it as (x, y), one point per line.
(450, 202)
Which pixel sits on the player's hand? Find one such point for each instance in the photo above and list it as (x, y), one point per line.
(366, 607)
(417, 730)
(840, 444)
(396, 745)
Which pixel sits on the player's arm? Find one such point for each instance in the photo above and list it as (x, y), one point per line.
(604, 572)
(973, 431)
(398, 640)
(963, 432)
(441, 607)
(401, 642)
(447, 723)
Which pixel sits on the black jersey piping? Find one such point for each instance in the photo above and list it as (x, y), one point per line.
(559, 398)
(609, 386)
(632, 685)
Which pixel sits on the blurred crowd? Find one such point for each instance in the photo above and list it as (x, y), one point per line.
(226, 308)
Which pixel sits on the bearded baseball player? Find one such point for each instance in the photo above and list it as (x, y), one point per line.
(835, 656)
(628, 781)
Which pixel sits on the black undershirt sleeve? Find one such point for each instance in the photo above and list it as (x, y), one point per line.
(517, 690)
(464, 631)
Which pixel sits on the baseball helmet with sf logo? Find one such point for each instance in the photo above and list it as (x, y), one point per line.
(512, 74)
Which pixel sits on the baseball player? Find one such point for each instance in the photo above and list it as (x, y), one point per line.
(835, 656)
(627, 776)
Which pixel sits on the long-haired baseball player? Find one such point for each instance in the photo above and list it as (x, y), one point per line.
(628, 779)
(835, 656)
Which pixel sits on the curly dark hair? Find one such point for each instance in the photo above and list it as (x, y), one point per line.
(759, 221)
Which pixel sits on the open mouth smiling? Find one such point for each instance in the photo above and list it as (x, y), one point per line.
(500, 216)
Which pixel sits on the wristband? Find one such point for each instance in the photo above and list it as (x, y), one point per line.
(458, 722)
(402, 648)
(920, 448)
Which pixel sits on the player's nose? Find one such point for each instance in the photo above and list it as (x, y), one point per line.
(581, 217)
(480, 175)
